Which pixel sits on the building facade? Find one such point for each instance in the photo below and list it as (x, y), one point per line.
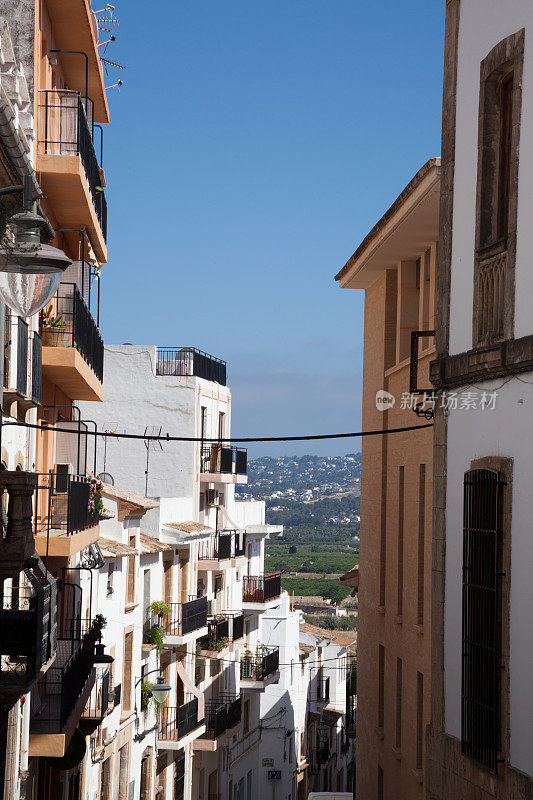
(396, 267)
(481, 741)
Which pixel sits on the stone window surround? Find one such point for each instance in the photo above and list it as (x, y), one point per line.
(505, 59)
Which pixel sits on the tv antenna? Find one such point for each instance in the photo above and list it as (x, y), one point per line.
(150, 444)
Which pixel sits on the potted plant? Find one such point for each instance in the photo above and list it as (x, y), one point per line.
(96, 503)
(154, 635)
(94, 634)
(53, 328)
(160, 608)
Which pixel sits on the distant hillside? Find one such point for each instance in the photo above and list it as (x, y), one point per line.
(312, 490)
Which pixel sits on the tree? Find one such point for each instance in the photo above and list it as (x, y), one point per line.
(292, 549)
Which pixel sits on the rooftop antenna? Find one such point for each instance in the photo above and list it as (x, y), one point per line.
(150, 444)
(108, 63)
(118, 83)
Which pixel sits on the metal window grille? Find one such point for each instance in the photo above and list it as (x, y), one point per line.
(36, 368)
(481, 543)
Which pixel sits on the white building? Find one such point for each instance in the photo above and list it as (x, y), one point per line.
(481, 738)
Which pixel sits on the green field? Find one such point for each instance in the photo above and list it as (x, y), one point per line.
(329, 588)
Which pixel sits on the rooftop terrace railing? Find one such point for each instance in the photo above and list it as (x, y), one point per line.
(178, 361)
(217, 457)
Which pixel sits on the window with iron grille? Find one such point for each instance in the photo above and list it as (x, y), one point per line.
(481, 659)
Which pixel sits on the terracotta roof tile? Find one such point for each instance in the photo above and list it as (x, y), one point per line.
(341, 638)
(151, 545)
(113, 549)
(129, 497)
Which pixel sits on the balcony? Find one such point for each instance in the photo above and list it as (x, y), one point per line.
(225, 546)
(28, 641)
(98, 705)
(221, 716)
(188, 361)
(22, 366)
(179, 725)
(73, 350)
(63, 521)
(221, 464)
(69, 171)
(260, 592)
(62, 695)
(260, 670)
(184, 622)
(221, 632)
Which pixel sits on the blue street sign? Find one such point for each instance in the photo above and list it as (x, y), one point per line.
(274, 774)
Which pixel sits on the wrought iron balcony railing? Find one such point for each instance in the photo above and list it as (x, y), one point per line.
(222, 630)
(62, 685)
(76, 328)
(29, 632)
(177, 722)
(222, 714)
(67, 133)
(63, 502)
(258, 667)
(225, 544)
(97, 706)
(183, 361)
(261, 588)
(220, 458)
(182, 618)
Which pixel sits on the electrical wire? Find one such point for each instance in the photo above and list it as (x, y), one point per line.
(168, 438)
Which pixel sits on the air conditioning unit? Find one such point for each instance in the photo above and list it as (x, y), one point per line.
(212, 498)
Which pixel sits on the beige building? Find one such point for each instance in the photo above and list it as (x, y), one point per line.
(395, 265)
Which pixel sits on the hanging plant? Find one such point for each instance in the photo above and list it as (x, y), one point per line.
(154, 635)
(146, 694)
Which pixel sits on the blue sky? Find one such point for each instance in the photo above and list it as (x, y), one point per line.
(253, 145)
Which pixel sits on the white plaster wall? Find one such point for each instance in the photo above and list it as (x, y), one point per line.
(484, 23)
(474, 434)
(136, 398)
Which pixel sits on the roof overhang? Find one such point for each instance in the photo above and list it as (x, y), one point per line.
(404, 232)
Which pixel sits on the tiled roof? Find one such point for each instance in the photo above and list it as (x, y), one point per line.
(330, 716)
(307, 648)
(112, 549)
(341, 638)
(129, 497)
(188, 527)
(150, 545)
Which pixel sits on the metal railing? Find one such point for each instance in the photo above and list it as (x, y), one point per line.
(29, 633)
(62, 503)
(36, 368)
(182, 618)
(258, 667)
(219, 458)
(261, 588)
(77, 328)
(225, 544)
(22, 357)
(190, 361)
(222, 714)
(222, 629)
(175, 722)
(67, 132)
(97, 705)
(61, 687)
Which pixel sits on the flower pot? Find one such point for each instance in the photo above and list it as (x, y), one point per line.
(53, 337)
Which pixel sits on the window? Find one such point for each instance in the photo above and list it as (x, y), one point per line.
(246, 716)
(105, 779)
(221, 427)
(408, 306)
(130, 580)
(110, 571)
(380, 783)
(421, 542)
(401, 487)
(127, 672)
(419, 719)
(496, 207)
(203, 422)
(482, 526)
(398, 703)
(381, 685)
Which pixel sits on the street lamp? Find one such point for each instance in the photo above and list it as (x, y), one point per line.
(102, 660)
(160, 690)
(30, 271)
